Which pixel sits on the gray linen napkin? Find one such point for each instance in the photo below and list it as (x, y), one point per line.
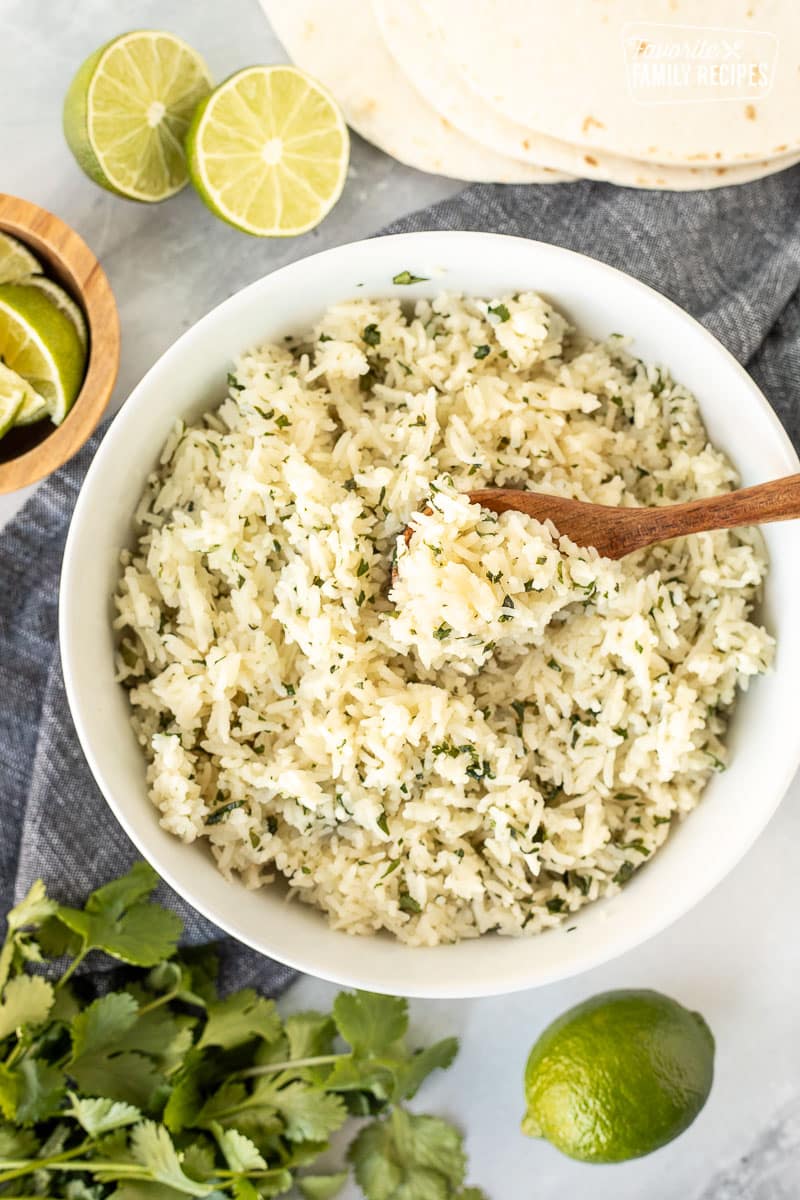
(731, 257)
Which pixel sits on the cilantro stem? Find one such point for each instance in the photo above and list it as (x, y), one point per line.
(14, 1054)
(293, 1064)
(16, 1168)
(62, 1163)
(73, 966)
(165, 999)
(68, 1161)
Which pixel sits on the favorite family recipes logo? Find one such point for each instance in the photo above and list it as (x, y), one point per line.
(668, 64)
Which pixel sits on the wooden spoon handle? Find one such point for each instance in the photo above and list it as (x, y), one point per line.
(778, 500)
(615, 532)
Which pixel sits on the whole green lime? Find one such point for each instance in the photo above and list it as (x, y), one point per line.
(618, 1076)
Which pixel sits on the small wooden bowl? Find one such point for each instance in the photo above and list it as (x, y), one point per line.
(28, 454)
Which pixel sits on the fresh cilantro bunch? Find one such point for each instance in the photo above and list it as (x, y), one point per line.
(159, 1089)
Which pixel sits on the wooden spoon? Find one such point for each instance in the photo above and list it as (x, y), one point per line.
(615, 532)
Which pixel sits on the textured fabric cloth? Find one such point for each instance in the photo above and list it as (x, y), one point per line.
(731, 257)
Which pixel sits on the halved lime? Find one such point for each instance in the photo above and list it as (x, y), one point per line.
(40, 343)
(16, 260)
(13, 389)
(268, 151)
(127, 111)
(62, 300)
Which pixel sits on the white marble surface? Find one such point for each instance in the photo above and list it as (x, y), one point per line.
(736, 957)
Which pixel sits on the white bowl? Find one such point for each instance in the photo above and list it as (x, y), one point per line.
(190, 378)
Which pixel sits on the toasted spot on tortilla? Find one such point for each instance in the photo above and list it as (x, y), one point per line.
(588, 122)
(750, 112)
(590, 160)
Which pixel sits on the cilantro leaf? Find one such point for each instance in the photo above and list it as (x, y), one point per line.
(99, 1064)
(142, 936)
(34, 909)
(310, 1034)
(157, 1033)
(377, 1172)
(408, 1156)
(199, 1159)
(500, 311)
(100, 1025)
(375, 1076)
(404, 277)
(41, 1089)
(143, 1189)
(418, 1067)
(240, 1018)
(322, 1187)
(153, 1149)
(368, 1022)
(273, 1185)
(253, 1113)
(310, 1113)
(115, 897)
(239, 1152)
(130, 1078)
(17, 1143)
(244, 1190)
(55, 939)
(429, 1142)
(27, 1000)
(185, 1100)
(99, 1115)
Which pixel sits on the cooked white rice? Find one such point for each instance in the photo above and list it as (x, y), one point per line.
(511, 731)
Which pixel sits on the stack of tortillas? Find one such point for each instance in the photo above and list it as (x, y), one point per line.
(678, 94)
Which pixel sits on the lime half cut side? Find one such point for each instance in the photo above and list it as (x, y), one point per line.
(40, 343)
(128, 109)
(268, 151)
(16, 260)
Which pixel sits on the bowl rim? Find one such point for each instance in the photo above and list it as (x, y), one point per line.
(51, 237)
(681, 901)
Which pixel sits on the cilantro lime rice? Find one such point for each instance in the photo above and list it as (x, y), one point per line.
(508, 728)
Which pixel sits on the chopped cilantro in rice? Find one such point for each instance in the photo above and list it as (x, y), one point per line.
(509, 729)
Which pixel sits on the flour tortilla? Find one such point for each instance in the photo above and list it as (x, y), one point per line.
(559, 69)
(420, 50)
(340, 44)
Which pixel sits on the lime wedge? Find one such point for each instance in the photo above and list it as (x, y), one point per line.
(63, 301)
(268, 151)
(40, 344)
(33, 407)
(13, 390)
(127, 111)
(16, 260)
